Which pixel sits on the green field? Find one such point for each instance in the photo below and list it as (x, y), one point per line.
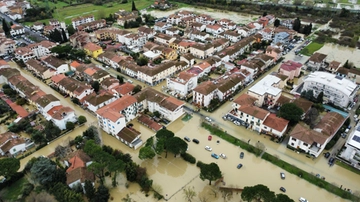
(12, 192)
(67, 13)
(311, 48)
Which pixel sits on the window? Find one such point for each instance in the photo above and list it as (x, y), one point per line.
(109, 124)
(265, 127)
(247, 115)
(104, 121)
(113, 127)
(305, 144)
(292, 144)
(293, 139)
(118, 122)
(252, 118)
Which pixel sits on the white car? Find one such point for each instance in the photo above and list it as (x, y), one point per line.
(222, 156)
(303, 199)
(208, 119)
(237, 123)
(207, 148)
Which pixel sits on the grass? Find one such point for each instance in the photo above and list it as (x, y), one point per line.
(67, 13)
(13, 192)
(311, 48)
(187, 117)
(284, 165)
(346, 166)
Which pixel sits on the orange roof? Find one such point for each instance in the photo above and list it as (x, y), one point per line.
(254, 111)
(18, 109)
(245, 99)
(78, 160)
(203, 65)
(275, 122)
(75, 64)
(92, 47)
(57, 78)
(57, 111)
(124, 89)
(90, 71)
(112, 111)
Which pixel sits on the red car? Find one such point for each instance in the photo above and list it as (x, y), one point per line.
(209, 137)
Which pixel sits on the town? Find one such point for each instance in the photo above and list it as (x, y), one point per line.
(115, 108)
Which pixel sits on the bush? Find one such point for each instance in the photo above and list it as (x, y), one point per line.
(199, 164)
(189, 158)
(27, 189)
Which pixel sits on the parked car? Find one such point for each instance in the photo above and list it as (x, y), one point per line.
(237, 123)
(242, 155)
(282, 175)
(207, 148)
(196, 141)
(215, 155)
(187, 138)
(327, 155)
(223, 156)
(343, 135)
(209, 137)
(301, 199)
(239, 166)
(282, 189)
(208, 119)
(331, 161)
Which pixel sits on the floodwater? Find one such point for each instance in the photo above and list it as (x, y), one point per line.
(341, 53)
(242, 18)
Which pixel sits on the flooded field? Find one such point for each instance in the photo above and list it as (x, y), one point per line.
(341, 53)
(217, 14)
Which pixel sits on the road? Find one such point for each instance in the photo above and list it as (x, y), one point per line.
(28, 31)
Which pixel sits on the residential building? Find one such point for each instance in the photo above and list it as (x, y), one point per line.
(291, 69)
(172, 31)
(274, 126)
(313, 142)
(123, 16)
(146, 31)
(77, 172)
(336, 89)
(215, 29)
(60, 115)
(173, 19)
(202, 51)
(164, 39)
(281, 37)
(274, 52)
(130, 137)
(123, 89)
(198, 26)
(169, 107)
(161, 26)
(266, 91)
(204, 93)
(352, 148)
(11, 144)
(183, 84)
(112, 118)
(24, 54)
(232, 36)
(41, 49)
(228, 84)
(70, 86)
(38, 26)
(93, 50)
(205, 19)
(245, 110)
(58, 65)
(267, 34)
(82, 20)
(91, 26)
(333, 66)
(95, 101)
(7, 73)
(39, 70)
(45, 103)
(152, 75)
(317, 61)
(7, 46)
(197, 35)
(17, 30)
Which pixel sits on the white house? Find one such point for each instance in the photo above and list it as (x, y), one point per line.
(130, 137)
(95, 101)
(182, 84)
(274, 126)
(113, 117)
(161, 26)
(215, 29)
(337, 90)
(60, 115)
(314, 141)
(82, 20)
(232, 36)
(17, 30)
(11, 143)
(45, 103)
(204, 93)
(56, 64)
(266, 91)
(169, 107)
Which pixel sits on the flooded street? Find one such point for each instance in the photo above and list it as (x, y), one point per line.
(341, 53)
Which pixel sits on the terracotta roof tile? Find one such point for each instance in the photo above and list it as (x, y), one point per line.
(254, 111)
(276, 123)
(79, 173)
(307, 135)
(205, 88)
(128, 134)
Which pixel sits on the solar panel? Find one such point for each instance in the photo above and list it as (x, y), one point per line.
(356, 138)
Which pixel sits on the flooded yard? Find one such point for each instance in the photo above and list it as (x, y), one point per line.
(341, 53)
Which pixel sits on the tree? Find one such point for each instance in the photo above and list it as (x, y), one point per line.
(133, 7)
(164, 134)
(96, 86)
(115, 166)
(9, 166)
(120, 78)
(63, 35)
(6, 27)
(43, 171)
(346, 65)
(311, 117)
(71, 29)
(136, 89)
(146, 153)
(176, 146)
(320, 98)
(297, 24)
(283, 198)
(264, 14)
(102, 194)
(70, 125)
(82, 119)
(141, 61)
(258, 192)
(291, 112)
(276, 23)
(21, 101)
(210, 172)
(56, 36)
(51, 131)
(189, 193)
(309, 95)
(157, 114)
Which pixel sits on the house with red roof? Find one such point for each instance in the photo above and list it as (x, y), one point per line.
(77, 172)
(291, 69)
(60, 115)
(274, 126)
(11, 144)
(215, 29)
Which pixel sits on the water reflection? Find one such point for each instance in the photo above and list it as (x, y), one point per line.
(341, 53)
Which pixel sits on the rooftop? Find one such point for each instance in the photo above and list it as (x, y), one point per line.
(265, 86)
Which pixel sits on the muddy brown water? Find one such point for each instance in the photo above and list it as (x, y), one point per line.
(341, 53)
